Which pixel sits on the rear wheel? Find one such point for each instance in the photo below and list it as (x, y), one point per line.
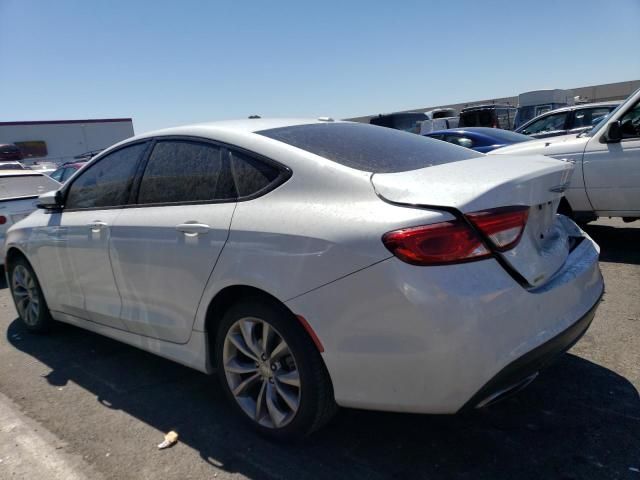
(27, 296)
(271, 371)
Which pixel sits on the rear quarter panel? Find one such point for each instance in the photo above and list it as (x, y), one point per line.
(324, 223)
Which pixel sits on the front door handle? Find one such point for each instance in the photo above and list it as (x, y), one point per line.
(192, 229)
(97, 225)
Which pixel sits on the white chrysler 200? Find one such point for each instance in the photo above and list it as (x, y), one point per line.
(315, 263)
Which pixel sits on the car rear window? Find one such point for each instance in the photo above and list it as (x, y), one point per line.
(368, 147)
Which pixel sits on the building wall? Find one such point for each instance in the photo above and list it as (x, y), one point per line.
(66, 139)
(595, 93)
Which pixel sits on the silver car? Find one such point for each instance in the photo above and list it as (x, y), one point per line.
(315, 263)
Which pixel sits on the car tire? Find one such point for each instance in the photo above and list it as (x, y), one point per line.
(271, 370)
(28, 297)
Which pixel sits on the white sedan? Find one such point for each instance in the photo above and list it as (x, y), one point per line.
(315, 263)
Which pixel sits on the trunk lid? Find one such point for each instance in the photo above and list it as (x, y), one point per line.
(490, 182)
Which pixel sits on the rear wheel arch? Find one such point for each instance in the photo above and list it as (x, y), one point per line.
(12, 254)
(231, 295)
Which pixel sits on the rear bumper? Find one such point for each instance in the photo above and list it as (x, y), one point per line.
(520, 372)
(429, 339)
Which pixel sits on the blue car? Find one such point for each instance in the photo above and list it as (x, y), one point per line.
(480, 139)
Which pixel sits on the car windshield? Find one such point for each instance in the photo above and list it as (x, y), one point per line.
(593, 130)
(369, 148)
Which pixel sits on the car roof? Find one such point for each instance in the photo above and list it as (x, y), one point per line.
(581, 106)
(18, 173)
(244, 125)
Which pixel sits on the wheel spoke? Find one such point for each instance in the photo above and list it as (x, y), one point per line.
(289, 398)
(29, 314)
(240, 368)
(240, 344)
(242, 386)
(246, 328)
(289, 378)
(280, 350)
(276, 415)
(267, 335)
(260, 401)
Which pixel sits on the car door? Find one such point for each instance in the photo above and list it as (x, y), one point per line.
(76, 250)
(612, 170)
(165, 245)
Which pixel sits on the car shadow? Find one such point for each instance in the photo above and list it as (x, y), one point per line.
(618, 244)
(577, 420)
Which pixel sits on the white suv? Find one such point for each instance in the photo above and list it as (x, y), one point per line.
(606, 180)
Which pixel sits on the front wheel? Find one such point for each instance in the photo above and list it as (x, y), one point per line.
(27, 296)
(271, 370)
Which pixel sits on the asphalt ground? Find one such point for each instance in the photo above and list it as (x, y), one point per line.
(106, 406)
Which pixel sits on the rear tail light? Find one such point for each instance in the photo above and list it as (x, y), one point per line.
(502, 226)
(455, 241)
(437, 244)
(3, 219)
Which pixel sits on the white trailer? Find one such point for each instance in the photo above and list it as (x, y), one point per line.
(58, 141)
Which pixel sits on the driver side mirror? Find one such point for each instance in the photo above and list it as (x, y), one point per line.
(50, 200)
(614, 132)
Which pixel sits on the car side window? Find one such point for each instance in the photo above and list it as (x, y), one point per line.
(585, 117)
(549, 123)
(459, 140)
(630, 122)
(106, 183)
(57, 175)
(251, 175)
(67, 173)
(185, 171)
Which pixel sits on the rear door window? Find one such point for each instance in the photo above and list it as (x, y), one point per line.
(106, 183)
(369, 148)
(185, 171)
(251, 176)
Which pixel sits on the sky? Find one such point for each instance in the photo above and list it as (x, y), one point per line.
(172, 63)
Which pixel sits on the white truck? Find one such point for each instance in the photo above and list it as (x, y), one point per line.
(19, 192)
(606, 179)
(58, 141)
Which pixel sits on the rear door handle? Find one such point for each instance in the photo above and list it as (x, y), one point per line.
(193, 228)
(97, 225)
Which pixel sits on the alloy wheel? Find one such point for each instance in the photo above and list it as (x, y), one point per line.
(261, 372)
(26, 295)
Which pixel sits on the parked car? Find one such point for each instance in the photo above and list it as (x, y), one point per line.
(406, 121)
(19, 191)
(567, 120)
(10, 152)
(315, 263)
(607, 160)
(44, 167)
(418, 122)
(11, 165)
(492, 116)
(64, 172)
(480, 139)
